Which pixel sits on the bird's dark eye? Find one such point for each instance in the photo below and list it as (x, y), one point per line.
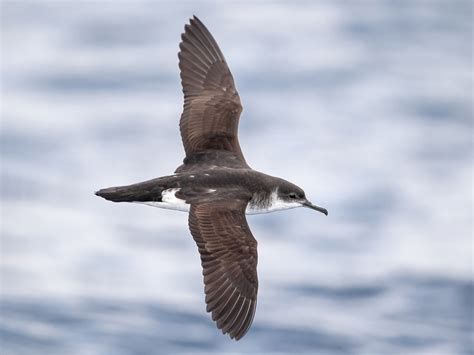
(293, 195)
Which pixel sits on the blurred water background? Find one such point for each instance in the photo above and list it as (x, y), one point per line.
(365, 104)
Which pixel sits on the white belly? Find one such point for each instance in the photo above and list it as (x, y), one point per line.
(171, 202)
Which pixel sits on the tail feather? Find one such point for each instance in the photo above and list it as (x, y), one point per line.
(124, 194)
(142, 192)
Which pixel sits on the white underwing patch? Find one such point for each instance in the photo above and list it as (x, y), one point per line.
(169, 201)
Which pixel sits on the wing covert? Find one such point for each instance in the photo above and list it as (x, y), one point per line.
(229, 260)
(212, 105)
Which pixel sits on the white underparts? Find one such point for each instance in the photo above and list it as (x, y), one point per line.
(169, 201)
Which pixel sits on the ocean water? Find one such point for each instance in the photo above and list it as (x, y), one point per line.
(367, 105)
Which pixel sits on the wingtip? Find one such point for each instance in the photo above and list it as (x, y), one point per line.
(239, 335)
(196, 21)
(192, 22)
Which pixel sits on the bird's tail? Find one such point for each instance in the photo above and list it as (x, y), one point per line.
(146, 191)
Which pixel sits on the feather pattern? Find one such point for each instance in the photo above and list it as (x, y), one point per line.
(229, 259)
(212, 105)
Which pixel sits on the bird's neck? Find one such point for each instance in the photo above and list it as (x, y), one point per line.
(264, 202)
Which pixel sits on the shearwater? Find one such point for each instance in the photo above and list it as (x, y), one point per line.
(215, 184)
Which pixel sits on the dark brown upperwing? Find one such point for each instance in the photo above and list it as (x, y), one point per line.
(212, 108)
(229, 260)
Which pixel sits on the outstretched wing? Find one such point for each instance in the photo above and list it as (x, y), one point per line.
(212, 106)
(229, 260)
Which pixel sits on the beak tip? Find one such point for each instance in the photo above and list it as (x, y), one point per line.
(317, 208)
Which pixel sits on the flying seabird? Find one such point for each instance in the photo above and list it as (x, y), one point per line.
(215, 184)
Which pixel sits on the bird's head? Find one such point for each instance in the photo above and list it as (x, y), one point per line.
(293, 196)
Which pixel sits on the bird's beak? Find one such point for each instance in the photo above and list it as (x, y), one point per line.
(314, 207)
